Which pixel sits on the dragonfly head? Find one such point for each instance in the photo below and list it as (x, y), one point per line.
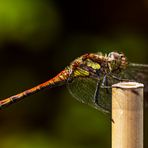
(117, 61)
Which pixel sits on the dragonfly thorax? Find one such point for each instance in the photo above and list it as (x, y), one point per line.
(90, 65)
(94, 63)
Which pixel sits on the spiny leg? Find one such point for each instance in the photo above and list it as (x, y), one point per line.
(118, 78)
(97, 96)
(104, 81)
(105, 84)
(97, 93)
(107, 89)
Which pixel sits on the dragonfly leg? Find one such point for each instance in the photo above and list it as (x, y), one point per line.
(118, 78)
(104, 80)
(97, 93)
(105, 83)
(97, 96)
(106, 87)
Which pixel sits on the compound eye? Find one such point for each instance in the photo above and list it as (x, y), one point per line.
(114, 55)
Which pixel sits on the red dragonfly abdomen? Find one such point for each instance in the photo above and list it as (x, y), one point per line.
(58, 80)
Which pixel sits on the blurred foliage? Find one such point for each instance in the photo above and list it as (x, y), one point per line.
(33, 23)
(38, 38)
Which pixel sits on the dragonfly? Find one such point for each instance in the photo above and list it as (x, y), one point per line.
(89, 79)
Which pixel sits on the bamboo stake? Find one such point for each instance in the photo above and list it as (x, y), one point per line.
(127, 115)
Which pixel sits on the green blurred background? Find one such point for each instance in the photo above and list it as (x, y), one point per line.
(38, 38)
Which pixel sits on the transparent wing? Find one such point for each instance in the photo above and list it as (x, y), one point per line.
(83, 89)
(137, 72)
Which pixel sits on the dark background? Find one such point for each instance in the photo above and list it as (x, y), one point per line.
(38, 38)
